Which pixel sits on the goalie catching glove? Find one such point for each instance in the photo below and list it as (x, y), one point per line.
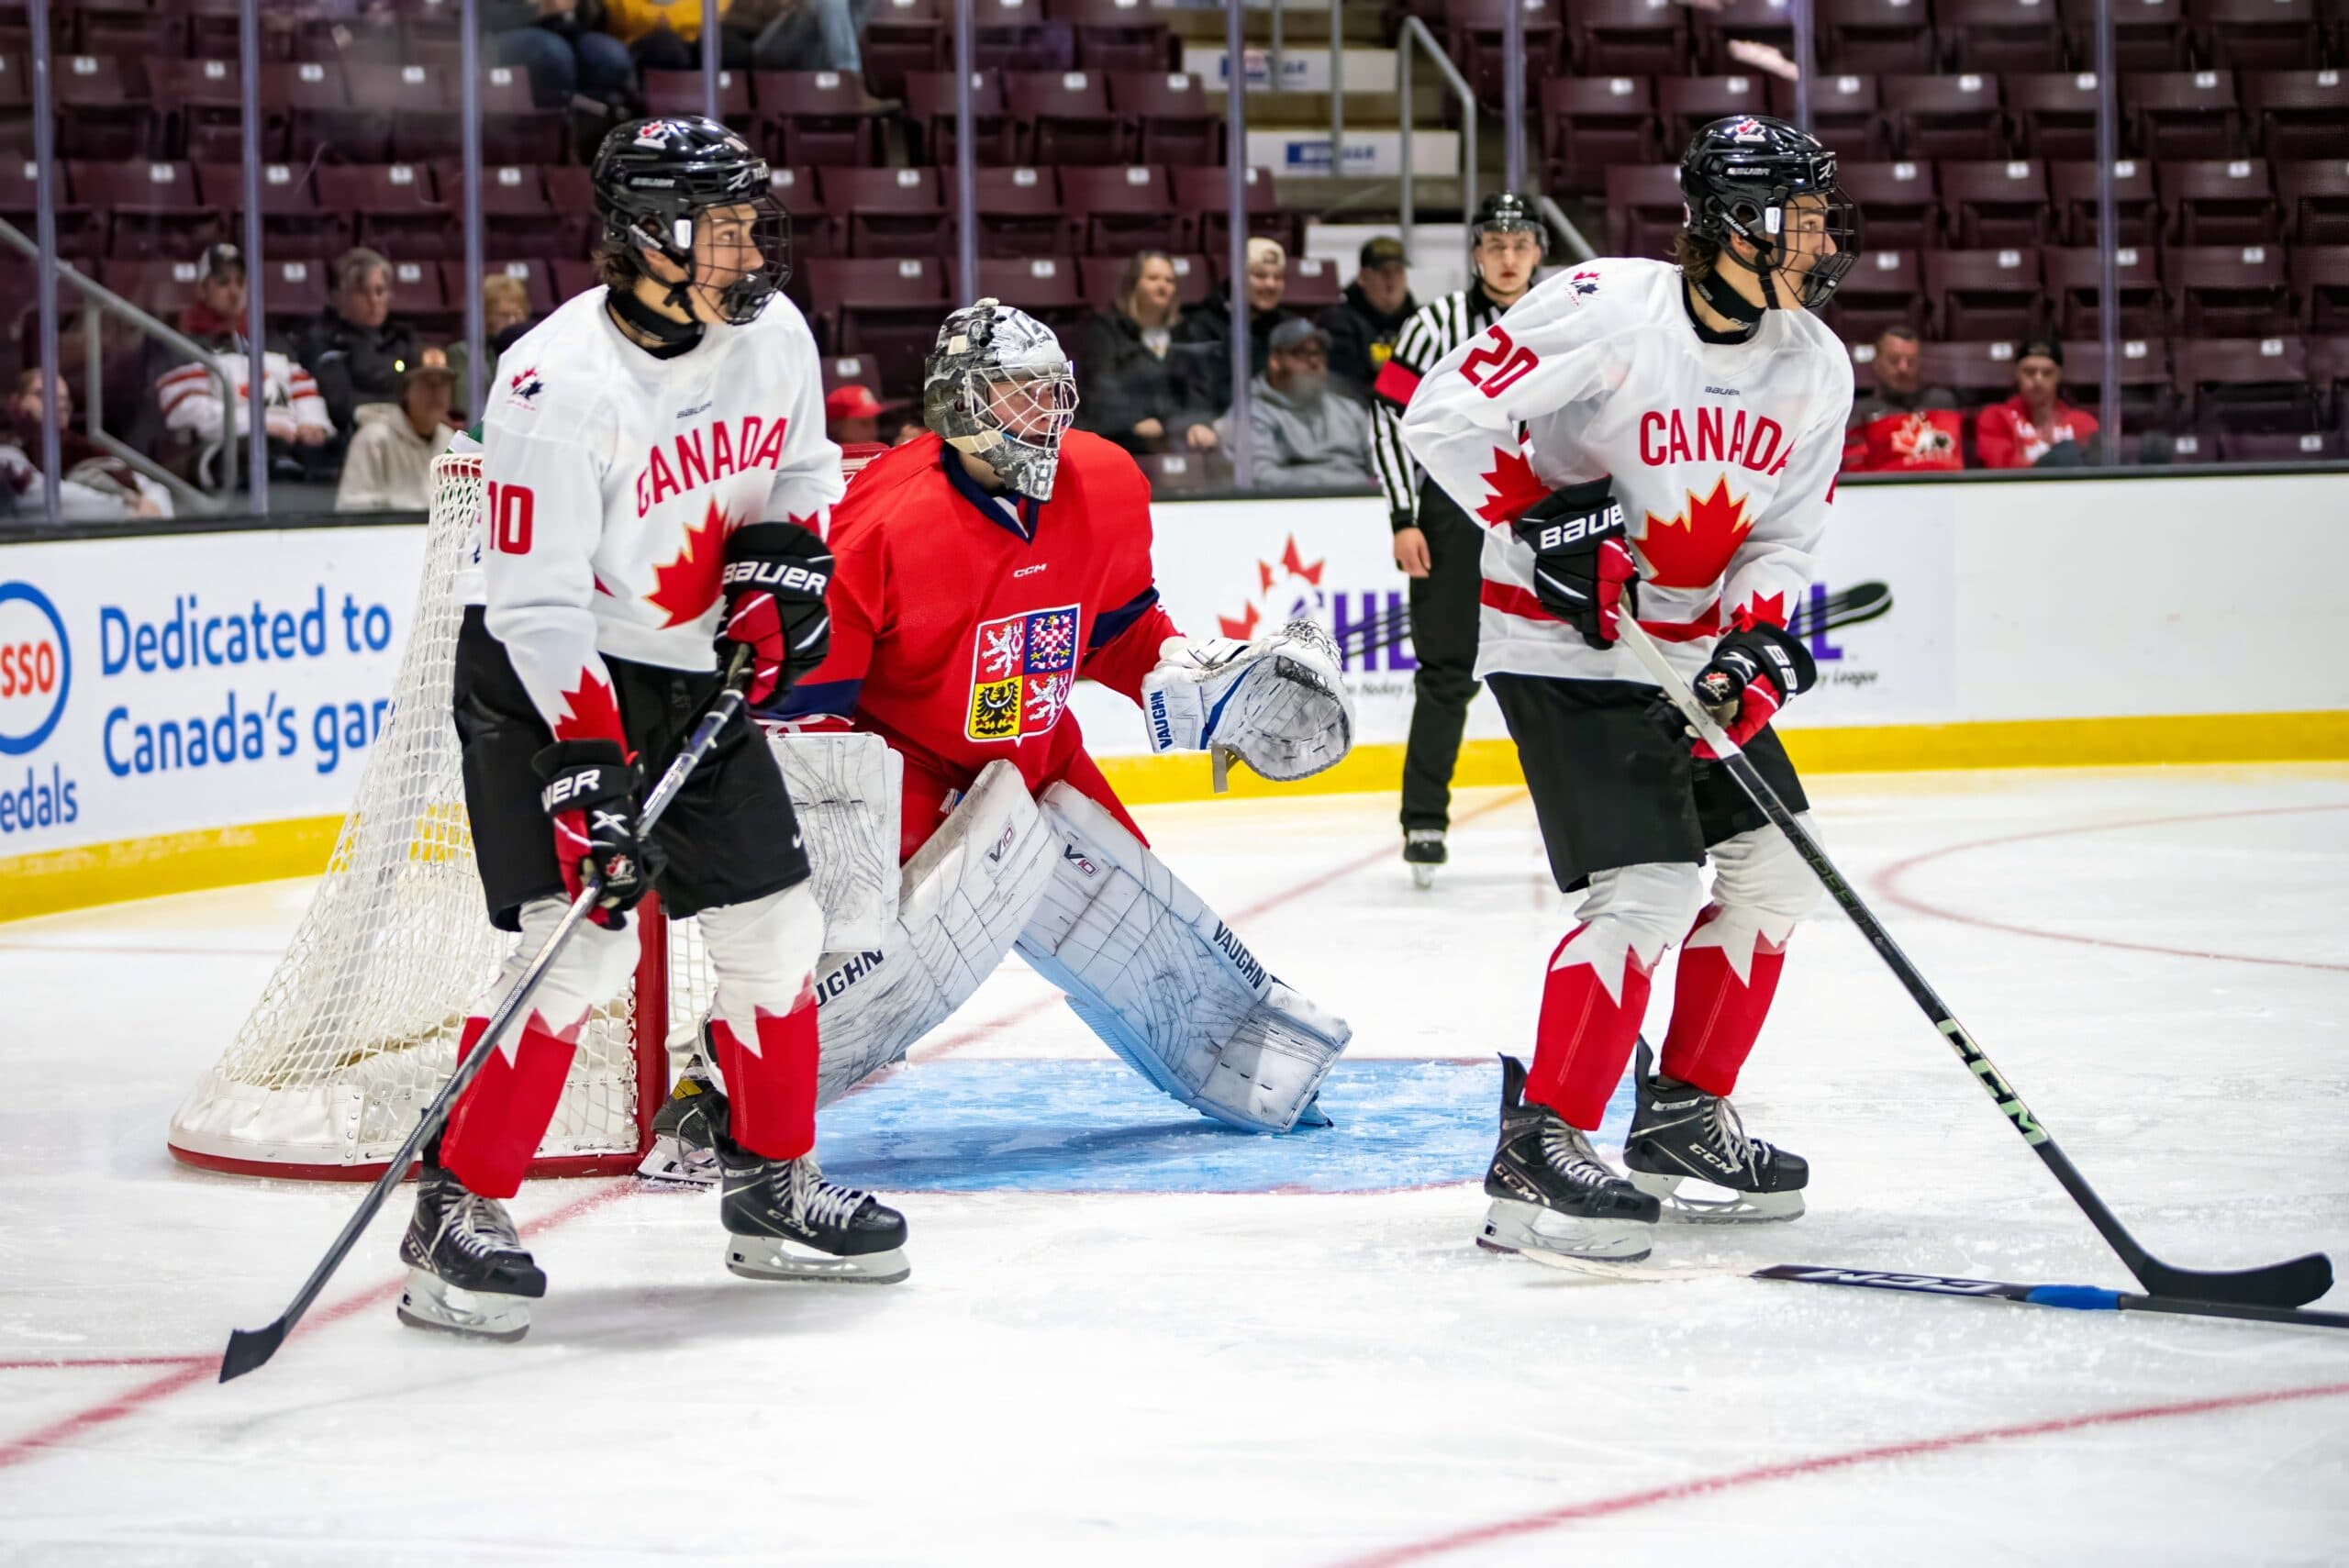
(1279, 704)
(1583, 570)
(591, 798)
(776, 577)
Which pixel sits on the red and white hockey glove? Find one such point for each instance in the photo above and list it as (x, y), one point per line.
(1583, 570)
(777, 575)
(591, 798)
(1755, 670)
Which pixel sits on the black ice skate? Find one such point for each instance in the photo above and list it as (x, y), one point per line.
(467, 1271)
(1679, 1133)
(684, 1131)
(786, 1222)
(1552, 1193)
(1423, 851)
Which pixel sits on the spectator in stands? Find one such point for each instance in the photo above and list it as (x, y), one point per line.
(1267, 282)
(767, 35)
(1147, 366)
(194, 420)
(505, 317)
(1362, 329)
(561, 44)
(389, 467)
(1301, 434)
(357, 348)
(853, 414)
(1901, 426)
(98, 488)
(2035, 427)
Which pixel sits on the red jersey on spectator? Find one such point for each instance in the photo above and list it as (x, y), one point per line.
(1922, 434)
(963, 620)
(2005, 437)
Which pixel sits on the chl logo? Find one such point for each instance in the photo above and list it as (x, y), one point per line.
(36, 668)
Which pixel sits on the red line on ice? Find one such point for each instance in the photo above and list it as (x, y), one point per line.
(1730, 1481)
(1888, 881)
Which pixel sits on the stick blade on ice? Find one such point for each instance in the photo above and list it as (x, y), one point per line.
(2292, 1284)
(250, 1348)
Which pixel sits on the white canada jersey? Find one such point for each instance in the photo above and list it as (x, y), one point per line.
(611, 482)
(1723, 456)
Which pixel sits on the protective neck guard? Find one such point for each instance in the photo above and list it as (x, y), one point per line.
(669, 336)
(1726, 302)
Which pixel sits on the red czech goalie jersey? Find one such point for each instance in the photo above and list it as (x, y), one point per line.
(962, 621)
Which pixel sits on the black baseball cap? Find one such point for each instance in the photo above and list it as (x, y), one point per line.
(2041, 347)
(221, 260)
(1385, 252)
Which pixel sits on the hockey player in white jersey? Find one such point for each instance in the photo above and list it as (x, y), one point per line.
(1660, 440)
(657, 478)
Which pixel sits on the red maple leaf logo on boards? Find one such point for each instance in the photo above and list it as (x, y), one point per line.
(687, 586)
(1690, 550)
(1242, 628)
(1513, 486)
(590, 712)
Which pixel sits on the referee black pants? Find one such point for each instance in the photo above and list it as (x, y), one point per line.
(1443, 636)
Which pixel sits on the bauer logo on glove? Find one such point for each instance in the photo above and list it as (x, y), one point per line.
(1279, 704)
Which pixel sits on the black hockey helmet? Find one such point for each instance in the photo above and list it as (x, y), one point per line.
(1506, 212)
(1738, 178)
(653, 181)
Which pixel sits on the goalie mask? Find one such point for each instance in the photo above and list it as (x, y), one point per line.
(693, 192)
(999, 387)
(1759, 179)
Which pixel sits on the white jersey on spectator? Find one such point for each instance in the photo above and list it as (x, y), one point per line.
(613, 480)
(289, 397)
(1723, 456)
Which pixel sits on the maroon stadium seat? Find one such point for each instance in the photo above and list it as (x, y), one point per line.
(1473, 30)
(813, 232)
(517, 216)
(2002, 202)
(1640, 37)
(2248, 384)
(2257, 34)
(1314, 285)
(299, 101)
(1946, 117)
(1875, 35)
(2219, 202)
(1975, 295)
(153, 211)
(1591, 125)
(127, 27)
(198, 110)
(888, 309)
(1126, 209)
(1100, 275)
(1976, 372)
(2074, 284)
(1644, 208)
(2229, 291)
(1846, 113)
(1016, 35)
(571, 279)
(2000, 34)
(2148, 394)
(1202, 198)
(15, 105)
(890, 212)
(2148, 35)
(1688, 101)
(815, 116)
(292, 221)
(1767, 22)
(1065, 117)
(901, 35)
(398, 209)
(1176, 473)
(2054, 114)
(418, 293)
(1020, 213)
(849, 370)
(2298, 114)
(2072, 191)
(159, 288)
(102, 109)
(514, 130)
(2279, 446)
(1118, 35)
(1900, 201)
(930, 107)
(680, 92)
(1046, 287)
(2315, 194)
(1170, 115)
(294, 289)
(419, 102)
(81, 233)
(2184, 114)
(2320, 276)
(1886, 288)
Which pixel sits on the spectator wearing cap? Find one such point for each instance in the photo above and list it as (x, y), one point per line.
(853, 414)
(1301, 434)
(192, 418)
(1267, 282)
(356, 347)
(1362, 326)
(1148, 366)
(1900, 424)
(99, 487)
(563, 47)
(389, 466)
(2035, 427)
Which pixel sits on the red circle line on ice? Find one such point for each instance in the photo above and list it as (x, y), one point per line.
(1889, 882)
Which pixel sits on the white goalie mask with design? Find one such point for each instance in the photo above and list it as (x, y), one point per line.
(999, 387)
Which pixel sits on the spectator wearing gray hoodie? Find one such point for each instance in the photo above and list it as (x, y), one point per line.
(1302, 435)
(389, 468)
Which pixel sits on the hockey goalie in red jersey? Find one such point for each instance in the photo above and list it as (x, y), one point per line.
(982, 570)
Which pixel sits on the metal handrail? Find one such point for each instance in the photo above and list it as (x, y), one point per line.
(1557, 217)
(107, 299)
(1416, 35)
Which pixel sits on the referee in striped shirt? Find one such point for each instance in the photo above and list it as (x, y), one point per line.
(1437, 544)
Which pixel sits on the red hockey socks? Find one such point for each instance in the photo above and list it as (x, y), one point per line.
(1729, 972)
(1592, 1003)
(771, 1080)
(502, 1117)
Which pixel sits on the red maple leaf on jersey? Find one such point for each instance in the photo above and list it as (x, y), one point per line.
(1693, 547)
(1243, 629)
(687, 586)
(1513, 486)
(1770, 607)
(590, 712)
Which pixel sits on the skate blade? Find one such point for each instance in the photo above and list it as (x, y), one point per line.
(432, 1302)
(1731, 1208)
(1529, 1228)
(769, 1258)
(671, 1163)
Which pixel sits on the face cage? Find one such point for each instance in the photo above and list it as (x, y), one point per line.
(1819, 285)
(1044, 408)
(740, 295)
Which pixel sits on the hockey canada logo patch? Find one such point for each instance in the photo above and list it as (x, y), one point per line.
(1022, 667)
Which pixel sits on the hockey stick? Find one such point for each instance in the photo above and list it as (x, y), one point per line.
(2290, 1284)
(2077, 1297)
(250, 1348)
(1848, 607)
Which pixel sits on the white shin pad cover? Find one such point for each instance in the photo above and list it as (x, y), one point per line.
(1166, 984)
(1761, 889)
(1632, 912)
(762, 954)
(593, 969)
(844, 792)
(961, 900)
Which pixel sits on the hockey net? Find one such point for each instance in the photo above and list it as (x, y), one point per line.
(357, 1028)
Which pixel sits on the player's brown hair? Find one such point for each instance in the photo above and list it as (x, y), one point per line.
(1695, 255)
(615, 264)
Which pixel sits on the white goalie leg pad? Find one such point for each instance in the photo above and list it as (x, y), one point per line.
(961, 900)
(845, 789)
(1279, 704)
(1166, 984)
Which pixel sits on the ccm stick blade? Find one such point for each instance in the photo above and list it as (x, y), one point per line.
(2076, 1297)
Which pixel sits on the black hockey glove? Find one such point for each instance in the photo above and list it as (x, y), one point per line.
(591, 798)
(777, 575)
(1755, 670)
(1583, 570)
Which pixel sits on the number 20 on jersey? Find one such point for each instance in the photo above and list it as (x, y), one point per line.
(1497, 365)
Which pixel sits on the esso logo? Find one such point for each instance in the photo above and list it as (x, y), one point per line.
(36, 668)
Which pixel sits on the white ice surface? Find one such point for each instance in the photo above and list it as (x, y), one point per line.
(1279, 1378)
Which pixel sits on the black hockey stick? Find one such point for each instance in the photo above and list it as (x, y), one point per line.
(1847, 606)
(249, 1347)
(2292, 1284)
(2077, 1297)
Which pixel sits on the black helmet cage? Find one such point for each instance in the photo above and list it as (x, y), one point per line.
(653, 181)
(1740, 177)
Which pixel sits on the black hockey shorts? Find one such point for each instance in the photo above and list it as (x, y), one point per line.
(1614, 785)
(729, 834)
